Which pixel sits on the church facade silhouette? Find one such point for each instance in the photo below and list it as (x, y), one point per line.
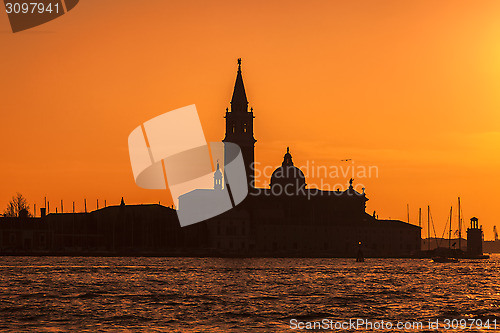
(288, 219)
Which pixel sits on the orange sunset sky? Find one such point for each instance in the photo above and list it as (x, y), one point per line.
(411, 87)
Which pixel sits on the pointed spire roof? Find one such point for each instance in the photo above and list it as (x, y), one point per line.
(239, 100)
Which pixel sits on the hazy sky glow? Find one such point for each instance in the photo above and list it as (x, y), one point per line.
(409, 87)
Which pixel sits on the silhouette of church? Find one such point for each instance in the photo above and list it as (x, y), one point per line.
(289, 219)
(285, 219)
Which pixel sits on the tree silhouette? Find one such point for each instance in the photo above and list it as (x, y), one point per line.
(17, 206)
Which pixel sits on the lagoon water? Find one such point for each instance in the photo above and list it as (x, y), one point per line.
(59, 294)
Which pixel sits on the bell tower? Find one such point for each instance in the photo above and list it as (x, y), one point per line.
(239, 126)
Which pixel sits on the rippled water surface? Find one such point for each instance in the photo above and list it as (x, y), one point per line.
(239, 295)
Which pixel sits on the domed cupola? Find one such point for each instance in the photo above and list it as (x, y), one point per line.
(287, 179)
(217, 178)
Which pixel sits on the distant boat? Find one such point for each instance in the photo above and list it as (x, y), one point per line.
(444, 260)
(448, 258)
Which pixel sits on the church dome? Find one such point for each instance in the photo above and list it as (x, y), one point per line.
(287, 178)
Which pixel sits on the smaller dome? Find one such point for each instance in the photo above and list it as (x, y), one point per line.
(217, 173)
(287, 178)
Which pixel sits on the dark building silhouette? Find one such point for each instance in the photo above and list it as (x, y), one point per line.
(492, 246)
(286, 219)
(114, 230)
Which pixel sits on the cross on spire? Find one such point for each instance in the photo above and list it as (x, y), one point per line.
(239, 102)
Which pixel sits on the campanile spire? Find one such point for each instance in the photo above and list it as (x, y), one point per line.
(239, 125)
(239, 101)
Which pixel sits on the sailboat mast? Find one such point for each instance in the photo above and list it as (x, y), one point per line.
(449, 237)
(408, 212)
(459, 227)
(428, 228)
(420, 217)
